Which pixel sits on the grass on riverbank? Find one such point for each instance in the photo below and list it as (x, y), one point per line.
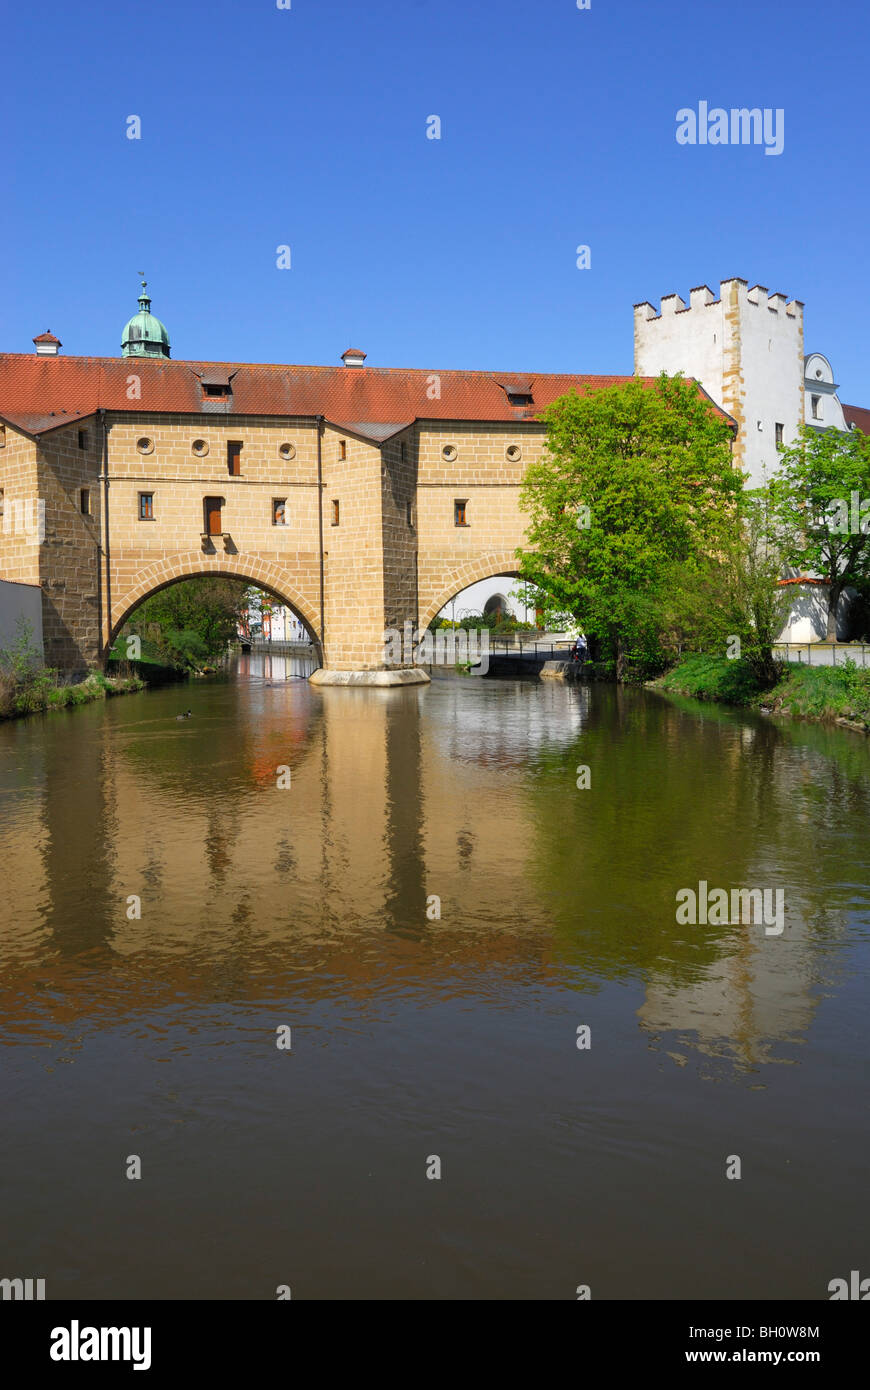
(39, 692)
(832, 693)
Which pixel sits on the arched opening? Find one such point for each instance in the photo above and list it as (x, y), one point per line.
(497, 606)
(268, 578)
(491, 599)
(440, 589)
(205, 622)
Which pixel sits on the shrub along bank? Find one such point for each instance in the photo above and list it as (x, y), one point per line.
(839, 694)
(40, 692)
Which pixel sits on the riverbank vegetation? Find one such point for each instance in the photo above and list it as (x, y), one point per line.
(27, 686)
(644, 536)
(830, 693)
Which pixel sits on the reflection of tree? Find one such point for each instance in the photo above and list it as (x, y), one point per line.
(675, 798)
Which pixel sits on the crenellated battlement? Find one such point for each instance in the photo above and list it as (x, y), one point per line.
(745, 347)
(733, 290)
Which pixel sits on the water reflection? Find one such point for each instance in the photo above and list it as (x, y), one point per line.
(313, 903)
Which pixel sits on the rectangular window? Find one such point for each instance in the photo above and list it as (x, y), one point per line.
(459, 506)
(2, 501)
(83, 439)
(85, 501)
(335, 511)
(214, 516)
(816, 403)
(519, 398)
(213, 391)
(2, 436)
(279, 511)
(342, 448)
(779, 434)
(408, 513)
(234, 458)
(146, 506)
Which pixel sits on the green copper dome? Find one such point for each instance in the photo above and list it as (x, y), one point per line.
(144, 335)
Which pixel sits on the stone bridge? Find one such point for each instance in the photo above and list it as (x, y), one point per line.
(360, 498)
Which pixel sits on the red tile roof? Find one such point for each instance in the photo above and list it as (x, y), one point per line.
(48, 337)
(858, 416)
(41, 393)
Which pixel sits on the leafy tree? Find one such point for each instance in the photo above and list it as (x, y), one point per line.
(737, 593)
(633, 496)
(820, 498)
(190, 622)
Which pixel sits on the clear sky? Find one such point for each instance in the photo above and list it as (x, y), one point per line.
(263, 127)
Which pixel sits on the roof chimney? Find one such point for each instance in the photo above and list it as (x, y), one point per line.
(47, 344)
(354, 357)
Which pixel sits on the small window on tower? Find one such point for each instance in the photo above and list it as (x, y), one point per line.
(146, 506)
(459, 506)
(279, 511)
(342, 448)
(816, 404)
(335, 511)
(234, 458)
(779, 434)
(83, 439)
(85, 501)
(2, 436)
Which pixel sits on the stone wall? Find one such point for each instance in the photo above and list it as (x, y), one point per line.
(393, 554)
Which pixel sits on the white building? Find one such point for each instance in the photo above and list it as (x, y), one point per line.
(746, 348)
(822, 407)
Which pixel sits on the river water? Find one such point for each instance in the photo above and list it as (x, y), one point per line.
(433, 908)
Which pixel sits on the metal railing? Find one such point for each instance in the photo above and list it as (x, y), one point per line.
(537, 650)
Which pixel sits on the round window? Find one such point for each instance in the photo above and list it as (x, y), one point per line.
(449, 452)
(145, 445)
(513, 453)
(200, 448)
(287, 451)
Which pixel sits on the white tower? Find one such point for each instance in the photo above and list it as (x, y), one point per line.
(746, 348)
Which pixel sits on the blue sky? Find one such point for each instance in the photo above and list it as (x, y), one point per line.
(307, 127)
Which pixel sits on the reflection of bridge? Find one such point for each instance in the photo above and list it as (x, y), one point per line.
(360, 498)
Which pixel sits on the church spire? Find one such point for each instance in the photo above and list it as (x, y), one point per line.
(144, 335)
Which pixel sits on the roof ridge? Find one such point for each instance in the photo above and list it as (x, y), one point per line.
(166, 362)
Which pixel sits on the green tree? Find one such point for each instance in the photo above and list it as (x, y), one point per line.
(633, 495)
(737, 593)
(820, 498)
(190, 622)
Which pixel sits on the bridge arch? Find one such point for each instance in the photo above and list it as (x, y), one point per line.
(488, 566)
(194, 565)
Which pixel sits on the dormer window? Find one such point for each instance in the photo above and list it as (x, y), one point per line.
(519, 390)
(217, 384)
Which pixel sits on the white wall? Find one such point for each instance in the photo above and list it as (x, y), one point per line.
(20, 601)
(819, 381)
(746, 350)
